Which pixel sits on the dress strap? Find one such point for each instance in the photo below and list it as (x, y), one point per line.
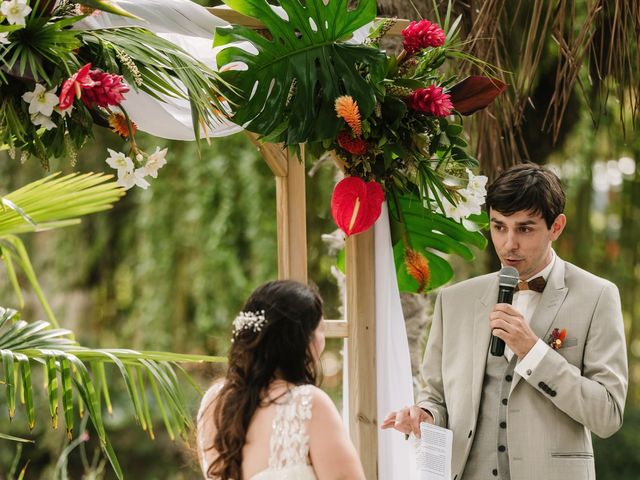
(289, 443)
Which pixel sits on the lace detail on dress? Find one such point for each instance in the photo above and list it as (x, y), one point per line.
(289, 445)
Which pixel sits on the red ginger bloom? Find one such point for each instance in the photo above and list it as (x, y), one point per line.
(431, 100)
(108, 89)
(355, 146)
(422, 34)
(72, 87)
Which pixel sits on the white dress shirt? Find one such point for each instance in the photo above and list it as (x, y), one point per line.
(526, 302)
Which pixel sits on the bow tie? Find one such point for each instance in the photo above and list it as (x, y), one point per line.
(536, 284)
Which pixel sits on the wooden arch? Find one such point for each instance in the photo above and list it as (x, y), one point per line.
(359, 326)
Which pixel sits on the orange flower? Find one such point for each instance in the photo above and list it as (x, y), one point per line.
(347, 108)
(119, 124)
(417, 267)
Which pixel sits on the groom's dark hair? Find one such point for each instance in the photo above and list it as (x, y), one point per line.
(527, 187)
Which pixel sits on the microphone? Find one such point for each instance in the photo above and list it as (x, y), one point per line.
(507, 281)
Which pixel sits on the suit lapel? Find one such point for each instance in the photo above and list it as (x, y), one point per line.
(481, 339)
(551, 301)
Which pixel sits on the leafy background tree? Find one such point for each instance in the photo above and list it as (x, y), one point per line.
(169, 267)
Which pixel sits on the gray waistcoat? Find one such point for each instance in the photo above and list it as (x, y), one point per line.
(489, 455)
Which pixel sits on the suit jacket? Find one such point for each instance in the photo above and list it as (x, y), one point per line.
(579, 388)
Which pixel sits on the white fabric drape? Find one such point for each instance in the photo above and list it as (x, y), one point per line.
(396, 456)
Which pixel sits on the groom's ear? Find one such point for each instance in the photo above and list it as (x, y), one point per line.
(558, 226)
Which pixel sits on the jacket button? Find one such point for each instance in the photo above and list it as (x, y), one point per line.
(552, 393)
(529, 372)
(504, 401)
(508, 378)
(502, 448)
(503, 424)
(494, 472)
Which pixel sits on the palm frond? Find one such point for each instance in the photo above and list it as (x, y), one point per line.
(55, 201)
(75, 371)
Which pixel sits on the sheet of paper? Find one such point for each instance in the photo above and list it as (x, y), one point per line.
(434, 452)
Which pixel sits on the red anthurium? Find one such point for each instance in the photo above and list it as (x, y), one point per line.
(356, 204)
(475, 93)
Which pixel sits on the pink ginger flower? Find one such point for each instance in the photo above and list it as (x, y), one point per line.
(431, 100)
(108, 89)
(422, 34)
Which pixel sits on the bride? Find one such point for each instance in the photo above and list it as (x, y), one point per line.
(267, 419)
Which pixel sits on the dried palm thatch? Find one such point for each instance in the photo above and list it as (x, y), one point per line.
(591, 45)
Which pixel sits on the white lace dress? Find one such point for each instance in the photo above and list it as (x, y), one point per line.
(289, 442)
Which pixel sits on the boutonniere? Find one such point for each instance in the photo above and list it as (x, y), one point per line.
(557, 337)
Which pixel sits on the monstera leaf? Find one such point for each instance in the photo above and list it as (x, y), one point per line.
(288, 88)
(431, 234)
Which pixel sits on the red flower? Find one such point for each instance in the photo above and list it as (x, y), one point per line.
(72, 87)
(108, 89)
(422, 34)
(431, 100)
(356, 205)
(353, 145)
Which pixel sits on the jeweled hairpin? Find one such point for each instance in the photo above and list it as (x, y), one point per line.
(249, 320)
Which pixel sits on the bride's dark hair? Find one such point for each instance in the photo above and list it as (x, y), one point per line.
(292, 312)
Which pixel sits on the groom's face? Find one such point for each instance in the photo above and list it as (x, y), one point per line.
(522, 240)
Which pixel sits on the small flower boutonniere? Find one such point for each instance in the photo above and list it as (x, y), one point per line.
(556, 338)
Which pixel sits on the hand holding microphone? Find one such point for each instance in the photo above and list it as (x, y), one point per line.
(507, 281)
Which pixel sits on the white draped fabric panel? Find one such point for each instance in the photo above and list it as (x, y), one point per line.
(396, 457)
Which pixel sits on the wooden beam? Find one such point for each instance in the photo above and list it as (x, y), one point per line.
(361, 320)
(225, 13)
(336, 329)
(274, 154)
(291, 210)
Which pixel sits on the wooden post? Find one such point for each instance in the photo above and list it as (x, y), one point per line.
(291, 209)
(361, 321)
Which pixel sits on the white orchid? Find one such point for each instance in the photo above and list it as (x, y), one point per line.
(120, 162)
(132, 178)
(477, 184)
(155, 162)
(4, 40)
(41, 100)
(15, 10)
(42, 120)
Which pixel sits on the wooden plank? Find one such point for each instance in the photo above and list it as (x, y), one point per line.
(291, 209)
(225, 13)
(336, 329)
(274, 154)
(361, 319)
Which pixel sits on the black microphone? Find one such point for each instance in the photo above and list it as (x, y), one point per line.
(507, 281)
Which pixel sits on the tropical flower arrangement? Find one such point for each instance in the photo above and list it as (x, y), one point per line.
(61, 75)
(392, 122)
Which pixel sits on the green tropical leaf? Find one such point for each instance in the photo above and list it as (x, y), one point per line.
(434, 236)
(299, 71)
(107, 6)
(66, 367)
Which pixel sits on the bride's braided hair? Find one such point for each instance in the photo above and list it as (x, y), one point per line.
(292, 311)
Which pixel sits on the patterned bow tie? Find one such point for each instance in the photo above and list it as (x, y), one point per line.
(536, 284)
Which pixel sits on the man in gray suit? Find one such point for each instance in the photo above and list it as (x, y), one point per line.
(529, 414)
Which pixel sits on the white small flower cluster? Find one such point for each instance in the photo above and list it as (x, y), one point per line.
(472, 198)
(249, 320)
(15, 11)
(129, 175)
(42, 103)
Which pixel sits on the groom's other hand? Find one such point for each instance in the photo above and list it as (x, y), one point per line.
(407, 420)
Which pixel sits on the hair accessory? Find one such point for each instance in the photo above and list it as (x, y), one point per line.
(249, 320)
